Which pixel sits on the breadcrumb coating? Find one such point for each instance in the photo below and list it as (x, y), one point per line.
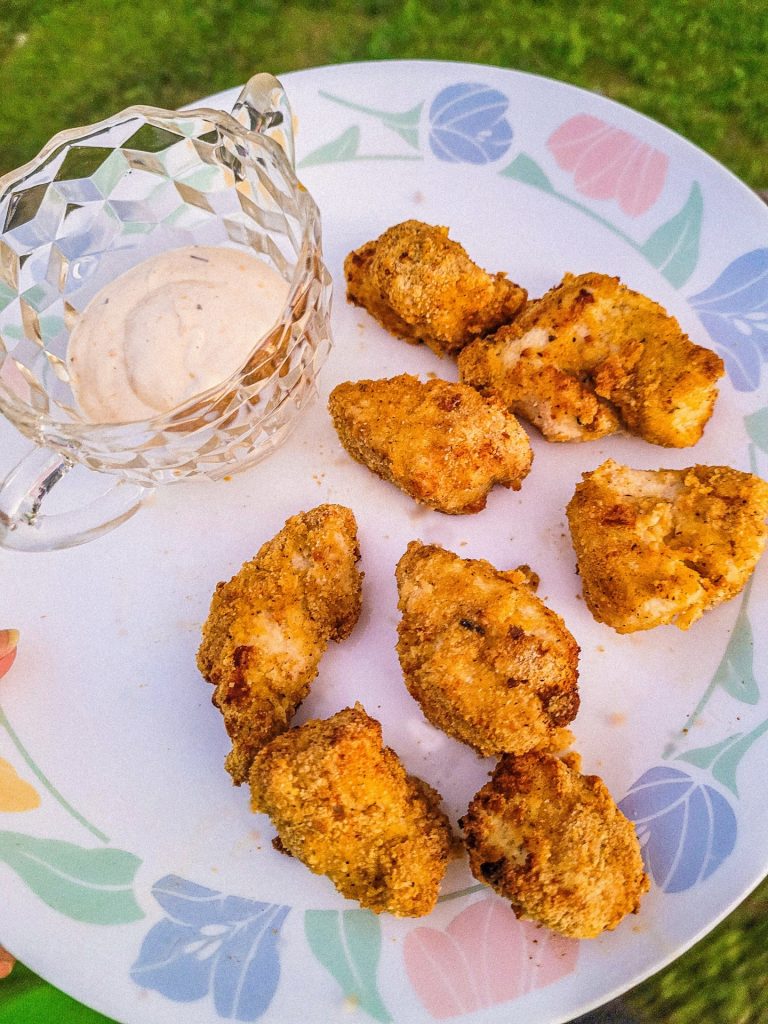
(554, 843)
(486, 660)
(592, 357)
(423, 287)
(269, 625)
(441, 443)
(663, 546)
(342, 803)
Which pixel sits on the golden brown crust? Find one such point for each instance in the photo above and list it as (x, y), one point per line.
(592, 356)
(554, 843)
(422, 286)
(270, 624)
(440, 443)
(486, 660)
(663, 546)
(343, 804)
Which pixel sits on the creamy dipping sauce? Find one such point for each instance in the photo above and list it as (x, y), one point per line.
(169, 328)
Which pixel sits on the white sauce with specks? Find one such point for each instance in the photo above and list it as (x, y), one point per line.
(169, 328)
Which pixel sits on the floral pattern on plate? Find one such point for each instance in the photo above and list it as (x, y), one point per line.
(468, 123)
(484, 957)
(209, 942)
(734, 309)
(608, 163)
(229, 956)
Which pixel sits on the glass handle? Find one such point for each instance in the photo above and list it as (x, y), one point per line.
(263, 107)
(24, 527)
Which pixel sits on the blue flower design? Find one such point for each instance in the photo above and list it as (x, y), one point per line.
(210, 941)
(467, 124)
(734, 311)
(687, 829)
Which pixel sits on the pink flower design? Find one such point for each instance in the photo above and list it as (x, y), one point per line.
(485, 956)
(609, 163)
(9, 638)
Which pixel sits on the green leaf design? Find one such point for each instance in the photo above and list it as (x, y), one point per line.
(411, 135)
(344, 147)
(407, 117)
(735, 673)
(724, 757)
(92, 885)
(348, 944)
(724, 767)
(719, 755)
(525, 169)
(405, 123)
(674, 247)
(757, 428)
(57, 796)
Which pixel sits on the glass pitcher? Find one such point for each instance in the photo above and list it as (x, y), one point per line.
(96, 201)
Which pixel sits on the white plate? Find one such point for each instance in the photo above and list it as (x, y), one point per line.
(142, 884)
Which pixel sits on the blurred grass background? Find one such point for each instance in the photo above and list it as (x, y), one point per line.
(699, 67)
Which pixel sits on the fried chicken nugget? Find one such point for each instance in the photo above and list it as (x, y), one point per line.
(441, 443)
(343, 804)
(486, 660)
(270, 624)
(590, 357)
(554, 843)
(422, 286)
(663, 546)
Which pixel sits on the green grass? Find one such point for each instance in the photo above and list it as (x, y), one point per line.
(719, 981)
(698, 66)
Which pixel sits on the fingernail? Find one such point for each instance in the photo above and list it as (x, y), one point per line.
(6, 963)
(9, 639)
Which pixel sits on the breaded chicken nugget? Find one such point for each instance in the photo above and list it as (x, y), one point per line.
(486, 660)
(421, 286)
(663, 546)
(591, 357)
(269, 626)
(343, 804)
(441, 443)
(554, 843)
